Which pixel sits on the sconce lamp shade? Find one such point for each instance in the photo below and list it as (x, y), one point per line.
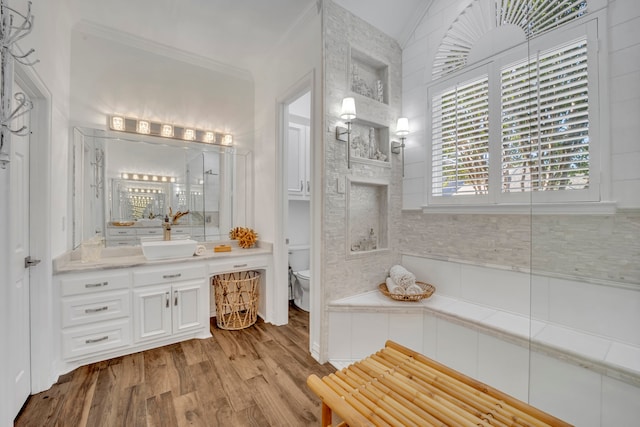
(348, 109)
(402, 127)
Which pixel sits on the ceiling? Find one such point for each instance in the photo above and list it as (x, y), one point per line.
(234, 32)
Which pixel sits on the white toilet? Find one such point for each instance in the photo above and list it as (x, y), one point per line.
(299, 262)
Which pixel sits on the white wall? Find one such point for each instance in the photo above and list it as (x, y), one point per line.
(109, 76)
(297, 58)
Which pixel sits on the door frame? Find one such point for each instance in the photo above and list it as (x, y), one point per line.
(43, 346)
(306, 84)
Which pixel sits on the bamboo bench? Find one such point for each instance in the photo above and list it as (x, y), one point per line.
(397, 386)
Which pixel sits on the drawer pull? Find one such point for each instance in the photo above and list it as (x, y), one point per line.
(240, 265)
(93, 341)
(95, 285)
(96, 310)
(166, 295)
(123, 232)
(171, 276)
(175, 298)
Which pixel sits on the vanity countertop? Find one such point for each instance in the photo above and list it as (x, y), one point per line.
(131, 256)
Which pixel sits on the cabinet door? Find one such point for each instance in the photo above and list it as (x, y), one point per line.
(188, 306)
(296, 171)
(152, 312)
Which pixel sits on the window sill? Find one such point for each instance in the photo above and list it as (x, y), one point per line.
(583, 208)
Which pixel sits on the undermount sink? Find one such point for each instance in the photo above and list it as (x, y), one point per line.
(165, 249)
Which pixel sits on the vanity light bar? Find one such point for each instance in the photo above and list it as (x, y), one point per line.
(146, 127)
(146, 177)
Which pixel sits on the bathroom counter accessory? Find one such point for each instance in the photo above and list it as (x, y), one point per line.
(427, 291)
(222, 248)
(398, 386)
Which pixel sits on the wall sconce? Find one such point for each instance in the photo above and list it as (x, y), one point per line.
(402, 130)
(348, 113)
(147, 127)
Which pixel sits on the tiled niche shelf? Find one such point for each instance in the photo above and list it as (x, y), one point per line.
(369, 143)
(368, 77)
(367, 218)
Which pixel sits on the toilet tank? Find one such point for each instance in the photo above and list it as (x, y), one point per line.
(299, 258)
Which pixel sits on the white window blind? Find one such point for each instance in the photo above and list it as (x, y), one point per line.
(545, 121)
(460, 131)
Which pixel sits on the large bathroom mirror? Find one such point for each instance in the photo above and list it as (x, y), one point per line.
(125, 185)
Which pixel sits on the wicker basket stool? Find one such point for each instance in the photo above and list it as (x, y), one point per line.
(236, 299)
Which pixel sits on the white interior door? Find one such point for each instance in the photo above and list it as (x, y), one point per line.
(19, 328)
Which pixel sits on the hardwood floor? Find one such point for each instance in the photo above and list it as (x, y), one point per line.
(252, 377)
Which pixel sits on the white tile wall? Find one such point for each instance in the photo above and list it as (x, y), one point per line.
(407, 329)
(371, 332)
(569, 392)
(510, 292)
(340, 336)
(457, 347)
(504, 365)
(603, 310)
(429, 335)
(619, 403)
(445, 276)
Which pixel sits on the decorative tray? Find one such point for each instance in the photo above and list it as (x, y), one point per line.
(427, 291)
(122, 223)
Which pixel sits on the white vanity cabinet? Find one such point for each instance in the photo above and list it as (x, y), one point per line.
(123, 303)
(169, 301)
(106, 313)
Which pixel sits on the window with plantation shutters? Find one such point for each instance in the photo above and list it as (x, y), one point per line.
(460, 127)
(545, 121)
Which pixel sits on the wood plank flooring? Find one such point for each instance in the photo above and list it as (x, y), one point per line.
(252, 377)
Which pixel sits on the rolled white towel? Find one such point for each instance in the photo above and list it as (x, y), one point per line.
(394, 288)
(402, 276)
(200, 250)
(414, 289)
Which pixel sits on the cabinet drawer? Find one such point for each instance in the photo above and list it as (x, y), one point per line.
(86, 284)
(81, 310)
(168, 274)
(121, 232)
(122, 242)
(180, 230)
(80, 342)
(239, 264)
(150, 231)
